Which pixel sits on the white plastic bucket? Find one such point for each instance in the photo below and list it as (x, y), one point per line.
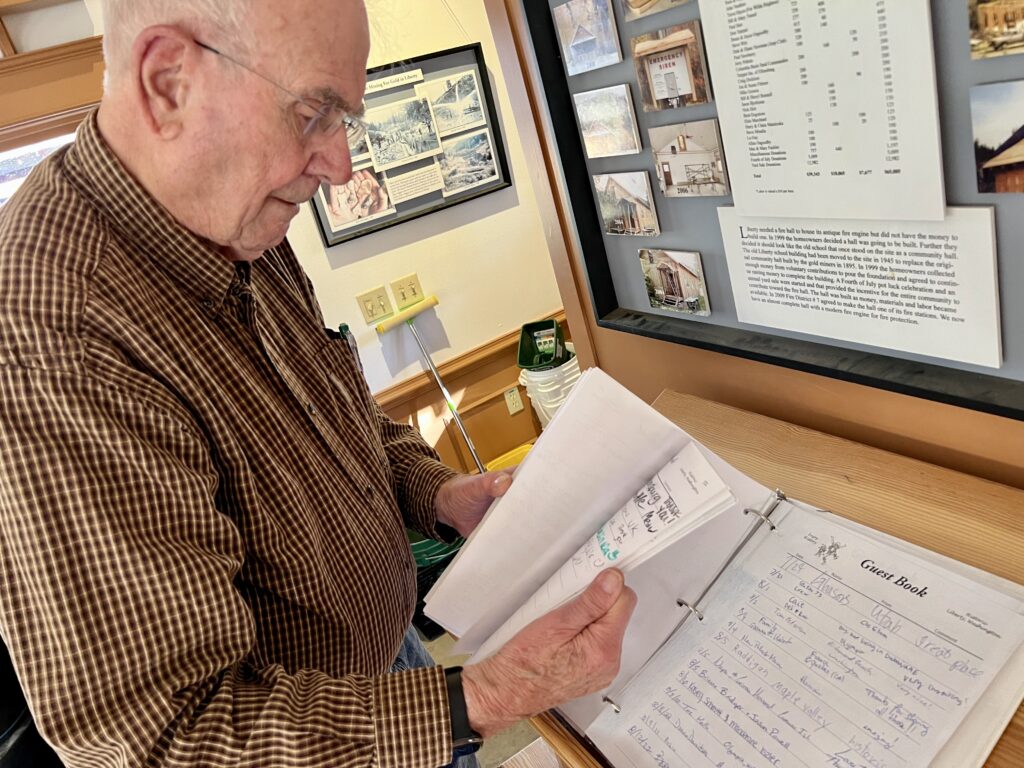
(548, 389)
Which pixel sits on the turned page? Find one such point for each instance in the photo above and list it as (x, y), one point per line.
(602, 445)
(680, 497)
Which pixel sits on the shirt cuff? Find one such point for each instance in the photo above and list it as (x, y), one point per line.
(411, 719)
(422, 482)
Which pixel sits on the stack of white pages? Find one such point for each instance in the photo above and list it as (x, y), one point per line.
(767, 633)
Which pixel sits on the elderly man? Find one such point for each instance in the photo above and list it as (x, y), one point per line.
(202, 509)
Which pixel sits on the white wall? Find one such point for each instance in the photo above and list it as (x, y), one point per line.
(488, 260)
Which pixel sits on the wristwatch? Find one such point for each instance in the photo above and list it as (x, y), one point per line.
(464, 739)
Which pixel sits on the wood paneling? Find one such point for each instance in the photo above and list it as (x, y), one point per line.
(42, 128)
(50, 81)
(961, 439)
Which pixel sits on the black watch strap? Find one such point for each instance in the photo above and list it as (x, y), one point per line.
(464, 738)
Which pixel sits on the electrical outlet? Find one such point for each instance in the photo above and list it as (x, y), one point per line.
(375, 305)
(514, 401)
(407, 290)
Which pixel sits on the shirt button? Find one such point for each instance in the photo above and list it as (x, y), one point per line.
(311, 408)
(207, 302)
(370, 490)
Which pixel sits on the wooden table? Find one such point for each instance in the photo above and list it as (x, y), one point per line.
(972, 520)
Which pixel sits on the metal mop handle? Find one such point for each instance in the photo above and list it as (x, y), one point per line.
(447, 396)
(408, 316)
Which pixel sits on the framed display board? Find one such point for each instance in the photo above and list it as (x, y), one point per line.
(680, 205)
(433, 140)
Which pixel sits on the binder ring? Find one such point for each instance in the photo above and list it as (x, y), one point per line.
(762, 515)
(683, 604)
(615, 707)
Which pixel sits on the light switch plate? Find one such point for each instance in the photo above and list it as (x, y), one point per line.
(375, 305)
(407, 291)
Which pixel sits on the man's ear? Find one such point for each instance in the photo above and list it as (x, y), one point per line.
(163, 62)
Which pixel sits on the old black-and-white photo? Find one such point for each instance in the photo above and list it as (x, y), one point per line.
(401, 133)
(455, 101)
(467, 162)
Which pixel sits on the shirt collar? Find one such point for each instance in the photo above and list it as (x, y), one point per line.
(194, 263)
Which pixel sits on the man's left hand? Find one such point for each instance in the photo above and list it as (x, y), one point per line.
(462, 501)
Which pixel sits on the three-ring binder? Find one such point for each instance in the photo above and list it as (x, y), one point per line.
(692, 609)
(763, 515)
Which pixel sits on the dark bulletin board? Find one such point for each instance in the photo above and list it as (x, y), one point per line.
(691, 224)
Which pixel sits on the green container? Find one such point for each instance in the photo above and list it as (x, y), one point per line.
(542, 346)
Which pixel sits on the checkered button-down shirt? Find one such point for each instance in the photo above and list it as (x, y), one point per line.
(203, 559)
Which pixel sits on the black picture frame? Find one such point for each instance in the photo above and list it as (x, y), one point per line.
(454, 143)
(967, 389)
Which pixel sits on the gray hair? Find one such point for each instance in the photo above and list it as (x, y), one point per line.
(123, 20)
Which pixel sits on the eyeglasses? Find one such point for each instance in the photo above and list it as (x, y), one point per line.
(325, 119)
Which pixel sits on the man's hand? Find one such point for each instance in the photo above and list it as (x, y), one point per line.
(462, 501)
(570, 652)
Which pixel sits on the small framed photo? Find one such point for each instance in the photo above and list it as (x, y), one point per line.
(637, 9)
(626, 204)
(588, 35)
(670, 67)
(999, 136)
(675, 281)
(997, 28)
(608, 122)
(467, 162)
(433, 141)
(688, 159)
(401, 133)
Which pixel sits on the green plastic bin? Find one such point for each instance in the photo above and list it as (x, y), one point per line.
(542, 346)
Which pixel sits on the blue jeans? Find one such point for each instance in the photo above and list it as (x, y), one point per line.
(412, 655)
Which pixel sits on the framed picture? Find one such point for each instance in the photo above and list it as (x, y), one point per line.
(607, 121)
(651, 296)
(670, 69)
(688, 159)
(627, 205)
(637, 9)
(675, 281)
(587, 32)
(433, 140)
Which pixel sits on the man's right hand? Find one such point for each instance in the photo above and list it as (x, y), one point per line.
(568, 653)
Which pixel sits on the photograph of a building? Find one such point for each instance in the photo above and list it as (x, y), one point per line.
(670, 67)
(607, 121)
(401, 132)
(997, 27)
(997, 114)
(626, 203)
(635, 9)
(688, 159)
(587, 32)
(675, 281)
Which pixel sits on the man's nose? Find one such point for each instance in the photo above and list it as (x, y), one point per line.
(331, 160)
